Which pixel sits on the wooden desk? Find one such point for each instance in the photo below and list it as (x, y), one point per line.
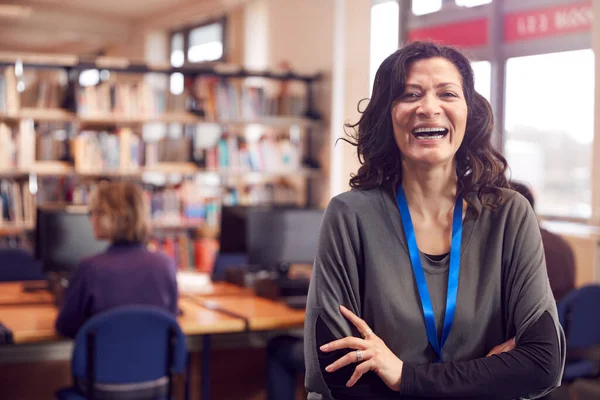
(35, 323)
(31, 315)
(262, 314)
(11, 293)
(222, 289)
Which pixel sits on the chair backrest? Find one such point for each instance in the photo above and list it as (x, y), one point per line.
(18, 264)
(578, 315)
(130, 348)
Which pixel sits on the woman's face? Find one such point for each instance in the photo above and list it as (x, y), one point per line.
(96, 218)
(430, 117)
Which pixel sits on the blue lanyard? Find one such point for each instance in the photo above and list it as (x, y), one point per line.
(417, 267)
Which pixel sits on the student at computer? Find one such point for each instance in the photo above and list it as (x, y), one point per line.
(126, 273)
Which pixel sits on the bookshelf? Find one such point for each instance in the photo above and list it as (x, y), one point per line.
(231, 136)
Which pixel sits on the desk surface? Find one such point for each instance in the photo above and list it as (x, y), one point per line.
(31, 315)
(262, 314)
(35, 323)
(11, 293)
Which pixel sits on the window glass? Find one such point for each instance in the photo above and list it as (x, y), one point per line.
(422, 7)
(384, 34)
(483, 77)
(206, 43)
(549, 124)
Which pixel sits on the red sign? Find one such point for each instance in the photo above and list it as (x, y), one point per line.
(464, 34)
(551, 21)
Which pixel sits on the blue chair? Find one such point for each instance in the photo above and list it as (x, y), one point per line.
(577, 313)
(131, 352)
(18, 264)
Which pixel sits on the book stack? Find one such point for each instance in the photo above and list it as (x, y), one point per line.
(232, 99)
(189, 253)
(17, 204)
(107, 151)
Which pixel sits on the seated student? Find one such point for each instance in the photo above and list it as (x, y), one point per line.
(127, 273)
(560, 260)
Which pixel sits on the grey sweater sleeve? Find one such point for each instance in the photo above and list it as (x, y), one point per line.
(334, 282)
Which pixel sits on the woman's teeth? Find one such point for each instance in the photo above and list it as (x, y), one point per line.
(429, 133)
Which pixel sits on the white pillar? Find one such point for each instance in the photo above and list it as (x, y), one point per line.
(329, 36)
(596, 149)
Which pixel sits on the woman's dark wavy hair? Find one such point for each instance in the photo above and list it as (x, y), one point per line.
(480, 168)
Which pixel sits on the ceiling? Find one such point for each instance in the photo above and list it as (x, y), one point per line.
(95, 26)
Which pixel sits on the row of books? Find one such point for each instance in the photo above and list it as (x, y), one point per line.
(227, 99)
(17, 145)
(17, 204)
(9, 97)
(269, 154)
(133, 96)
(122, 100)
(44, 88)
(270, 193)
(185, 203)
(107, 151)
(189, 253)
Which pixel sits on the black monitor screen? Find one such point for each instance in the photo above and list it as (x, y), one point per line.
(282, 236)
(64, 237)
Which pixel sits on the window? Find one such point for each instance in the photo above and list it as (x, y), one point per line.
(482, 71)
(177, 53)
(384, 34)
(539, 72)
(195, 45)
(199, 43)
(549, 129)
(422, 7)
(472, 3)
(206, 43)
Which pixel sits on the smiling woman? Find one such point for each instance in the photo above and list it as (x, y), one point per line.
(429, 279)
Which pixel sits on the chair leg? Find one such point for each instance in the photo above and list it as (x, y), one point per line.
(205, 380)
(188, 370)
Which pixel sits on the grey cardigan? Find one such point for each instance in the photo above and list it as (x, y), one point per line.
(363, 263)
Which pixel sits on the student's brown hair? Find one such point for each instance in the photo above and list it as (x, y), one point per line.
(122, 209)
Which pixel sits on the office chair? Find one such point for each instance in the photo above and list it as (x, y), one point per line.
(577, 313)
(18, 264)
(131, 352)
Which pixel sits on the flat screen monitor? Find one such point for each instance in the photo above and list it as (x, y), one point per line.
(282, 236)
(64, 237)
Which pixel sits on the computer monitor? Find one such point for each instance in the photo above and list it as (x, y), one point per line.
(64, 236)
(282, 236)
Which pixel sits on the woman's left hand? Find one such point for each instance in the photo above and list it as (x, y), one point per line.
(371, 354)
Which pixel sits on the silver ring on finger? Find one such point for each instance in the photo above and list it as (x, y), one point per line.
(367, 333)
(359, 356)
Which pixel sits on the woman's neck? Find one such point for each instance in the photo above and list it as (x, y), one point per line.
(430, 190)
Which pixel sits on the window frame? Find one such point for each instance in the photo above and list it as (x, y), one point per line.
(497, 53)
(185, 31)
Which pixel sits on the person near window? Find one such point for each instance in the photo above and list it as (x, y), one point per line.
(126, 273)
(560, 260)
(429, 279)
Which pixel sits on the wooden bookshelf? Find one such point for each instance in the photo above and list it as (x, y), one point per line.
(185, 168)
(60, 115)
(177, 225)
(47, 114)
(14, 229)
(118, 108)
(51, 168)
